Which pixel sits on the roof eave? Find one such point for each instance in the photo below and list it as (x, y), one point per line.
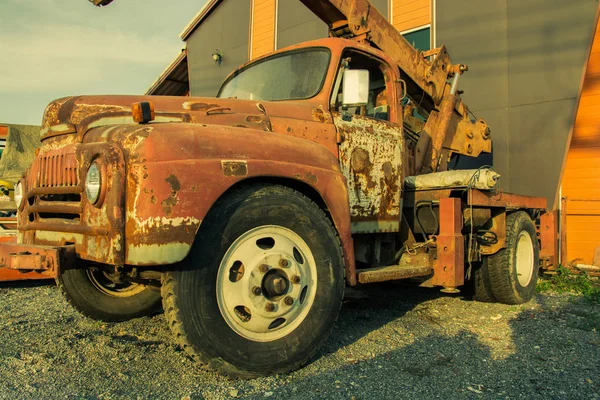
(202, 14)
(168, 71)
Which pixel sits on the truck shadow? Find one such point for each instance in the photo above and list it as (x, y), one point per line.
(367, 308)
(547, 351)
(27, 284)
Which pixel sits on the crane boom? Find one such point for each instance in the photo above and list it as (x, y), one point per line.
(358, 18)
(425, 76)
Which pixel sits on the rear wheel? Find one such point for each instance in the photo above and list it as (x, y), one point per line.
(95, 295)
(513, 271)
(480, 285)
(263, 287)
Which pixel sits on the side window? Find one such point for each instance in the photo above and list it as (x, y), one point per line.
(378, 105)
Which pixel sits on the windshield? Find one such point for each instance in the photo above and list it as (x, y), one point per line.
(289, 76)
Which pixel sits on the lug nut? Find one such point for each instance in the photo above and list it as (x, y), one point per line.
(256, 290)
(296, 279)
(288, 301)
(270, 307)
(264, 268)
(284, 263)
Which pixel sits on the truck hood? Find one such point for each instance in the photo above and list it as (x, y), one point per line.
(81, 113)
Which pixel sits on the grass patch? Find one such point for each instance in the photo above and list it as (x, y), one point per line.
(566, 282)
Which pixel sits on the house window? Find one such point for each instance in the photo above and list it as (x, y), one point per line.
(420, 38)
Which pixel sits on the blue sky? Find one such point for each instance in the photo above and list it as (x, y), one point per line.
(55, 48)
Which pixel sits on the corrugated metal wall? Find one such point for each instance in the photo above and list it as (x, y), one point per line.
(296, 24)
(581, 180)
(526, 60)
(227, 28)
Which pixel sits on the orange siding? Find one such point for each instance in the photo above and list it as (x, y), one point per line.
(581, 180)
(263, 27)
(410, 14)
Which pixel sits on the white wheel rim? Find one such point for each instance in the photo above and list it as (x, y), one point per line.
(291, 274)
(524, 258)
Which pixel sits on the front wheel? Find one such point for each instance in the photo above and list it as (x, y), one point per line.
(263, 286)
(95, 295)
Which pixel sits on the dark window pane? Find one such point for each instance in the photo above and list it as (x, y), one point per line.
(420, 39)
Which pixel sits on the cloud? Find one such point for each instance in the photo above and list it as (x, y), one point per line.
(50, 56)
(56, 48)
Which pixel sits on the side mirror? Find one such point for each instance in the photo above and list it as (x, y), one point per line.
(355, 87)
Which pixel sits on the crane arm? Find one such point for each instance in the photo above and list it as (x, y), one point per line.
(358, 18)
(448, 128)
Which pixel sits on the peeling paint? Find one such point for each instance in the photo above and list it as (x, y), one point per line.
(371, 160)
(234, 167)
(172, 200)
(157, 254)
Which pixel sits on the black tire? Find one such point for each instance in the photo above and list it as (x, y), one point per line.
(507, 285)
(480, 286)
(93, 296)
(190, 294)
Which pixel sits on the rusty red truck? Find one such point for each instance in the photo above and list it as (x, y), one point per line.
(321, 165)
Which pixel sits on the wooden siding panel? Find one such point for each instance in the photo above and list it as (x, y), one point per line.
(582, 237)
(581, 180)
(263, 27)
(410, 14)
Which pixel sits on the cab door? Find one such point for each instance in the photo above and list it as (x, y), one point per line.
(370, 149)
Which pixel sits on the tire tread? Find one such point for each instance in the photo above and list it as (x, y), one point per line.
(174, 317)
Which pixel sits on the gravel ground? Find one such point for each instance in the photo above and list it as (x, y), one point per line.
(391, 341)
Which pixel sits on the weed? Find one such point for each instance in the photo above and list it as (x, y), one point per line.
(566, 282)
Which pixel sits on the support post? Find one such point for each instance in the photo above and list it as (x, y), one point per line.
(449, 268)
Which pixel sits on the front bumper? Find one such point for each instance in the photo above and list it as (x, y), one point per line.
(45, 260)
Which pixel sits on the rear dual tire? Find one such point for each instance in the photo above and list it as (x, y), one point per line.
(510, 276)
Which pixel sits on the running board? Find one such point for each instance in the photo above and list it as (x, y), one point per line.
(409, 267)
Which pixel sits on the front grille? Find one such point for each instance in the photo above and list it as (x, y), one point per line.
(54, 169)
(53, 187)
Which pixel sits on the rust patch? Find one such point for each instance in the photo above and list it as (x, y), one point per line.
(388, 172)
(320, 115)
(171, 201)
(173, 182)
(153, 199)
(234, 168)
(254, 119)
(199, 106)
(360, 160)
(311, 178)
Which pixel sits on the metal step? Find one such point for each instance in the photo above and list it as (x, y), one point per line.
(393, 272)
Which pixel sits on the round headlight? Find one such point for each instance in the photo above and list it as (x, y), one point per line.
(93, 183)
(18, 194)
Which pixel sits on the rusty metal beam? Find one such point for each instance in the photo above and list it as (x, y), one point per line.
(45, 260)
(548, 234)
(410, 266)
(505, 200)
(449, 268)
